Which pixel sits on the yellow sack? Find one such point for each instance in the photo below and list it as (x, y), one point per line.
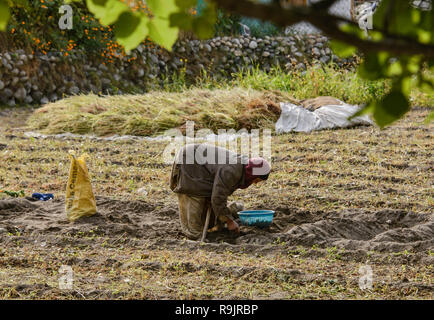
(80, 201)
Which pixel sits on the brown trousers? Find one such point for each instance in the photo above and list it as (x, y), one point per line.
(192, 214)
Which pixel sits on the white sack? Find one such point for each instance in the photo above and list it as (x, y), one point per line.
(299, 119)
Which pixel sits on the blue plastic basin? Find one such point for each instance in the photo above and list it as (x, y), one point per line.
(259, 218)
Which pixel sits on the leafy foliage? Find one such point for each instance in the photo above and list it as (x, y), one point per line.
(161, 24)
(261, 29)
(227, 23)
(398, 18)
(4, 14)
(34, 27)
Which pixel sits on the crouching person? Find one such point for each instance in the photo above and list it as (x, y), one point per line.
(204, 176)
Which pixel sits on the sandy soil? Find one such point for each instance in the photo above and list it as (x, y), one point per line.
(381, 231)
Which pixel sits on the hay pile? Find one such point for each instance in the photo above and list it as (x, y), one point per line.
(154, 112)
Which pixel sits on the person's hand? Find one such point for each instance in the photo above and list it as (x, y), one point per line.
(233, 226)
(216, 228)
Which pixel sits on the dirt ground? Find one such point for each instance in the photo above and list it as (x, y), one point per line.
(346, 201)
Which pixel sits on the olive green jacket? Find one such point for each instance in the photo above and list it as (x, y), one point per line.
(198, 172)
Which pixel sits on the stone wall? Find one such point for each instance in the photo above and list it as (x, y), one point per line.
(39, 79)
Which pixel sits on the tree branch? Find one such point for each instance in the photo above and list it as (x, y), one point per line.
(326, 22)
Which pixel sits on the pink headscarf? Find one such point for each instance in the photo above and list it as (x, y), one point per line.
(255, 168)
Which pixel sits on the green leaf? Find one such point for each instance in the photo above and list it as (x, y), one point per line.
(181, 20)
(352, 29)
(406, 85)
(424, 36)
(186, 4)
(160, 29)
(427, 22)
(400, 18)
(380, 13)
(390, 108)
(383, 57)
(203, 28)
(413, 64)
(371, 68)
(375, 35)
(162, 33)
(130, 29)
(394, 69)
(401, 21)
(108, 11)
(415, 16)
(4, 14)
(19, 3)
(342, 49)
(369, 109)
(162, 9)
(427, 86)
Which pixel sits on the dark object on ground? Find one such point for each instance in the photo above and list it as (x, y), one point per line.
(43, 196)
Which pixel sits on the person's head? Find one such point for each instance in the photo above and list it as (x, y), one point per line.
(257, 170)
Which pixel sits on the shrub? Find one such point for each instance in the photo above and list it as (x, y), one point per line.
(34, 26)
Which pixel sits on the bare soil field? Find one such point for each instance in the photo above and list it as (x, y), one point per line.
(344, 199)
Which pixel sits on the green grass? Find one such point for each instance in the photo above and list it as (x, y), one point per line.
(325, 80)
(316, 81)
(248, 99)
